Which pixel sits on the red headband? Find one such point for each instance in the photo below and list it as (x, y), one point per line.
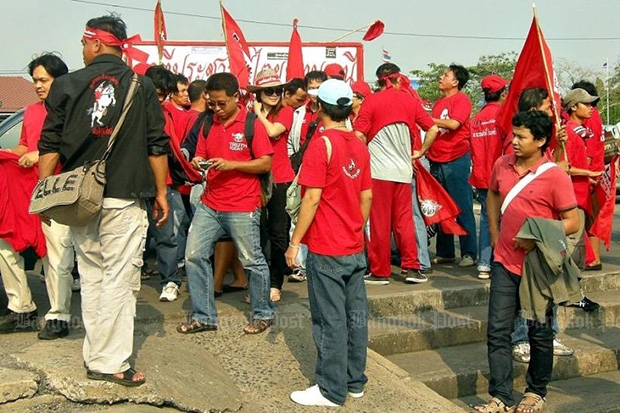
(109, 39)
(404, 82)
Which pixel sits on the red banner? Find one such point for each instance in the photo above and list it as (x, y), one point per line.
(436, 204)
(605, 199)
(237, 49)
(295, 63)
(159, 29)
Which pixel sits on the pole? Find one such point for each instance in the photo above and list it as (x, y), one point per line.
(352, 31)
(607, 87)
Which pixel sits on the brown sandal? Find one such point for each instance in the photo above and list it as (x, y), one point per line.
(531, 403)
(194, 327)
(257, 326)
(494, 405)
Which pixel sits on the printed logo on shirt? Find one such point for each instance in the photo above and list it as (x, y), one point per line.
(582, 132)
(429, 208)
(444, 115)
(238, 143)
(352, 171)
(104, 91)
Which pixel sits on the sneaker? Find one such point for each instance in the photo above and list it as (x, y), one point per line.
(560, 349)
(298, 276)
(415, 276)
(372, 280)
(467, 261)
(75, 285)
(312, 397)
(170, 292)
(54, 329)
(521, 352)
(13, 322)
(426, 271)
(356, 395)
(586, 305)
(484, 275)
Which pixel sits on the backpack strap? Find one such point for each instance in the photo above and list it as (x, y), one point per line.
(249, 131)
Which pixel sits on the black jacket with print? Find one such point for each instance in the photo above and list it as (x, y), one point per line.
(82, 109)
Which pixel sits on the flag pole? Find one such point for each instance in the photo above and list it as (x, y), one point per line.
(607, 84)
(556, 113)
(352, 31)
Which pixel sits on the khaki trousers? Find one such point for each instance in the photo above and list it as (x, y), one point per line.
(14, 279)
(57, 264)
(109, 252)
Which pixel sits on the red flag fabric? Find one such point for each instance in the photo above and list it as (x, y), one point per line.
(375, 30)
(534, 68)
(159, 29)
(436, 204)
(295, 63)
(605, 198)
(17, 227)
(237, 49)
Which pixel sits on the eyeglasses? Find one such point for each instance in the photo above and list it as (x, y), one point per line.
(270, 91)
(214, 104)
(358, 96)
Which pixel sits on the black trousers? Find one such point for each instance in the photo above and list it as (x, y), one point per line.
(276, 227)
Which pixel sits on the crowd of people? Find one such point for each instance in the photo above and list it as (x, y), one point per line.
(202, 172)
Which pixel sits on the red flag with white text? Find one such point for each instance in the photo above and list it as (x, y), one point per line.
(237, 48)
(295, 63)
(605, 198)
(159, 29)
(436, 204)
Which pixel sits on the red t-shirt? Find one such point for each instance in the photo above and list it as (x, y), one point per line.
(451, 144)
(281, 164)
(486, 144)
(233, 191)
(391, 106)
(309, 116)
(34, 116)
(179, 118)
(337, 228)
(595, 144)
(545, 197)
(576, 150)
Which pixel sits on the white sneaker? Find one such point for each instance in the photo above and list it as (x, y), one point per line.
(170, 292)
(298, 276)
(356, 395)
(311, 397)
(560, 349)
(75, 285)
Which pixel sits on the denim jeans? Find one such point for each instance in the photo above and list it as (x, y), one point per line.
(454, 177)
(339, 311)
(519, 334)
(181, 222)
(484, 237)
(503, 309)
(421, 236)
(166, 247)
(207, 227)
(195, 194)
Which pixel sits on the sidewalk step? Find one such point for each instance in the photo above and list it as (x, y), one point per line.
(463, 370)
(598, 393)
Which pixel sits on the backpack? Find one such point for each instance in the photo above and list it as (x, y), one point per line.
(266, 179)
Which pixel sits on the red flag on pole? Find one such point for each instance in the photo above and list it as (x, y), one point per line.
(436, 204)
(375, 30)
(237, 48)
(159, 29)
(295, 63)
(534, 68)
(605, 198)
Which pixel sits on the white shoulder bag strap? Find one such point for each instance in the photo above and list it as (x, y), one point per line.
(525, 182)
(328, 146)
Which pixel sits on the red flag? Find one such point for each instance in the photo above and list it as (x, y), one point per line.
(534, 68)
(436, 204)
(605, 198)
(159, 29)
(295, 63)
(237, 49)
(375, 30)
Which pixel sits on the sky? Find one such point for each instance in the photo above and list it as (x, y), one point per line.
(582, 32)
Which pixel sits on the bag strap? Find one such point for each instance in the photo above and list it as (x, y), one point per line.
(133, 87)
(328, 147)
(309, 133)
(525, 181)
(248, 131)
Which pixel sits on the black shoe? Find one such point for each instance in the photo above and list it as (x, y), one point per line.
(14, 322)
(415, 276)
(586, 305)
(54, 329)
(426, 271)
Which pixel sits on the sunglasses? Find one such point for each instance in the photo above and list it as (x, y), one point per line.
(270, 91)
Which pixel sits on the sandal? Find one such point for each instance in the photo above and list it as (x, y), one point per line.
(147, 274)
(194, 327)
(257, 326)
(494, 405)
(126, 380)
(530, 403)
(275, 295)
(442, 260)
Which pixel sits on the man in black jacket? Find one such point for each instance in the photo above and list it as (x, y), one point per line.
(83, 109)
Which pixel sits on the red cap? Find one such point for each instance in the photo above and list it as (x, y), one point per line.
(361, 88)
(493, 83)
(334, 70)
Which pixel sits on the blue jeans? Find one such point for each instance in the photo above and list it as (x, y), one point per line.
(421, 236)
(180, 222)
(339, 311)
(484, 237)
(519, 334)
(208, 226)
(454, 177)
(166, 247)
(503, 308)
